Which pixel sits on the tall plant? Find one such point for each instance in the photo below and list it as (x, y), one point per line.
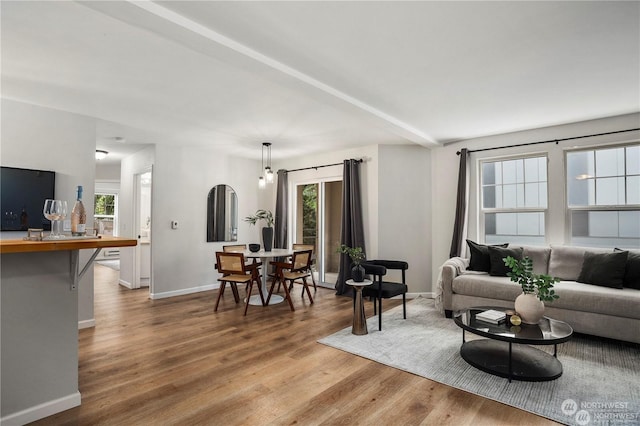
(261, 214)
(540, 285)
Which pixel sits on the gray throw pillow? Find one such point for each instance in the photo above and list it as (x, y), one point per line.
(480, 260)
(632, 271)
(496, 256)
(604, 269)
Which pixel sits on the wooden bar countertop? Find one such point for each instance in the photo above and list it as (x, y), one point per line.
(23, 246)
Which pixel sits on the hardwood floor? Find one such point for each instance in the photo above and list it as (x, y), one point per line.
(176, 362)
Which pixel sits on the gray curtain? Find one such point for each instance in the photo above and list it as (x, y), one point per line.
(460, 224)
(352, 233)
(282, 210)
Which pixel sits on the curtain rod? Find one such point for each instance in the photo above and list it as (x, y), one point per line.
(318, 167)
(551, 140)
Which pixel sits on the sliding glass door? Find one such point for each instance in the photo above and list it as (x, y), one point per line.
(317, 222)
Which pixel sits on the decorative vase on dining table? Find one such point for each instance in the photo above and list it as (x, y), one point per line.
(529, 307)
(267, 238)
(357, 273)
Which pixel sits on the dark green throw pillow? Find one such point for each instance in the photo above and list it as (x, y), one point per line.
(480, 260)
(496, 254)
(632, 271)
(604, 269)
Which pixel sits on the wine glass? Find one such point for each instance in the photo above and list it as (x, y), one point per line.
(62, 214)
(52, 210)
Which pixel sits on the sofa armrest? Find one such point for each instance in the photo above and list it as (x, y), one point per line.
(451, 269)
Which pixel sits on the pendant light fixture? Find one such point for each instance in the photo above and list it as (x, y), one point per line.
(267, 173)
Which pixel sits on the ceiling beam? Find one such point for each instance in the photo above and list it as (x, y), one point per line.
(396, 125)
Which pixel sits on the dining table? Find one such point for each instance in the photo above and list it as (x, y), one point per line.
(265, 257)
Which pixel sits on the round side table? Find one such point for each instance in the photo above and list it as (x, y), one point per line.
(359, 320)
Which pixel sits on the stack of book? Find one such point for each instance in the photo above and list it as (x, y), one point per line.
(492, 316)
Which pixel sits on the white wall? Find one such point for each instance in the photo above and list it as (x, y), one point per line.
(41, 138)
(182, 260)
(445, 173)
(107, 172)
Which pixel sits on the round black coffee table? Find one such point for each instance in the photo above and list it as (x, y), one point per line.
(498, 355)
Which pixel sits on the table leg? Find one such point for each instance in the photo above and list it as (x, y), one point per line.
(359, 320)
(510, 362)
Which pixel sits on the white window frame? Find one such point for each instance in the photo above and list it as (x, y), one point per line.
(594, 208)
(482, 211)
(115, 211)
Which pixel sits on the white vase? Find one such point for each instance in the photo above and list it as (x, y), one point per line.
(529, 307)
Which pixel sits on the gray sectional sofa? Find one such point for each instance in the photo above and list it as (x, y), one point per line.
(588, 308)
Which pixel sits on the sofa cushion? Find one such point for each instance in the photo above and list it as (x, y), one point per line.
(565, 262)
(496, 256)
(501, 288)
(480, 260)
(576, 296)
(604, 269)
(539, 256)
(632, 270)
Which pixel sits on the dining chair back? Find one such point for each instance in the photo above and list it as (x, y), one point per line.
(231, 266)
(312, 247)
(383, 289)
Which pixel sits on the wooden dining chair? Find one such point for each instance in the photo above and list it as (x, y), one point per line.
(234, 271)
(297, 269)
(254, 265)
(312, 247)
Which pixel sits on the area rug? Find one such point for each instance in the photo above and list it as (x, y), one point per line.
(600, 383)
(113, 264)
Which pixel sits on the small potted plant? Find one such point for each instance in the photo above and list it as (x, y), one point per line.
(357, 256)
(536, 289)
(267, 231)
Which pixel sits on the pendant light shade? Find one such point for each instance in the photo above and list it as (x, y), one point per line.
(266, 172)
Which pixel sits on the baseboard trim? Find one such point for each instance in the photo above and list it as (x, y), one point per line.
(126, 284)
(43, 410)
(182, 292)
(86, 323)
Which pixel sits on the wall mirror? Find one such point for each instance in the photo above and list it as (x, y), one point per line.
(222, 214)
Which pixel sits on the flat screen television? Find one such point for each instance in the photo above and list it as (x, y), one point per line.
(22, 195)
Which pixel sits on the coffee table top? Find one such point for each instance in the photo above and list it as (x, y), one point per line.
(548, 331)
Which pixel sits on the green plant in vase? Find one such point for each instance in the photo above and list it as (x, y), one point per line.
(267, 231)
(357, 256)
(536, 289)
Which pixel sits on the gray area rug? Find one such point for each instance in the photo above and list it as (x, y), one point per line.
(113, 264)
(600, 384)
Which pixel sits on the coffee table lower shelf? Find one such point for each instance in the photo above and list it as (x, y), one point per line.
(512, 361)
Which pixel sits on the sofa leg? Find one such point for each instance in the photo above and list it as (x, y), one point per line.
(448, 313)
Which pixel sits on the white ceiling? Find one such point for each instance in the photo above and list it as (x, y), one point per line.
(316, 76)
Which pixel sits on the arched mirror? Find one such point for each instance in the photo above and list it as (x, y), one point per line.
(222, 214)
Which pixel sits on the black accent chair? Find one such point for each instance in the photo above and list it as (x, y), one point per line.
(381, 289)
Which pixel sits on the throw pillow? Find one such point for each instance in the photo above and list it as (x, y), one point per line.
(632, 271)
(604, 269)
(480, 260)
(496, 254)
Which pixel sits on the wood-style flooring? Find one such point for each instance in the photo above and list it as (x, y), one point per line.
(176, 362)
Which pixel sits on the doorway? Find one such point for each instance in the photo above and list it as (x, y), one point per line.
(317, 222)
(142, 268)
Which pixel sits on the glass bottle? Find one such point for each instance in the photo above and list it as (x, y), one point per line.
(78, 216)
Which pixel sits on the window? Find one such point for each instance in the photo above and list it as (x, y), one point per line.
(105, 218)
(603, 196)
(514, 200)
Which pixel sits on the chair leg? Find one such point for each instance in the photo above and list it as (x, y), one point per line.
(404, 305)
(288, 295)
(315, 288)
(234, 289)
(380, 314)
(246, 305)
(220, 291)
(305, 286)
(258, 284)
